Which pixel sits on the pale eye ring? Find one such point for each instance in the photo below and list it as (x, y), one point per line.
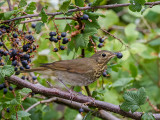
(103, 55)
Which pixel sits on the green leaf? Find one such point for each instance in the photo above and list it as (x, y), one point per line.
(14, 102)
(142, 2)
(38, 27)
(25, 90)
(130, 32)
(22, 3)
(88, 116)
(82, 39)
(8, 70)
(148, 116)
(70, 114)
(64, 7)
(23, 114)
(1, 3)
(133, 100)
(135, 6)
(7, 15)
(79, 3)
(30, 8)
(43, 15)
(2, 75)
(96, 2)
(133, 70)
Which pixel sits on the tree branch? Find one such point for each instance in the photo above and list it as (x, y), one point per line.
(53, 92)
(81, 9)
(9, 5)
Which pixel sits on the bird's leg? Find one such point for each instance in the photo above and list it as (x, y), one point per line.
(69, 90)
(88, 91)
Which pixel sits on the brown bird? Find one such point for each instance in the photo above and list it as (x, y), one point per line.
(77, 72)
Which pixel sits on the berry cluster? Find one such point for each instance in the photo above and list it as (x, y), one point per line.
(54, 37)
(21, 44)
(101, 41)
(4, 87)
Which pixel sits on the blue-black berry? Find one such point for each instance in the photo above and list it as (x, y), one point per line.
(0, 33)
(10, 88)
(55, 49)
(21, 68)
(119, 55)
(5, 91)
(53, 39)
(26, 56)
(100, 45)
(52, 34)
(104, 74)
(58, 37)
(24, 63)
(23, 77)
(81, 110)
(27, 67)
(63, 34)
(1, 43)
(65, 40)
(8, 110)
(14, 63)
(17, 73)
(1, 86)
(16, 68)
(15, 35)
(34, 77)
(85, 17)
(62, 47)
(101, 40)
(33, 25)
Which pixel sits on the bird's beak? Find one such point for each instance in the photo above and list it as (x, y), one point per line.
(113, 55)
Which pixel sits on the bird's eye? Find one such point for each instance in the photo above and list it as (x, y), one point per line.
(103, 55)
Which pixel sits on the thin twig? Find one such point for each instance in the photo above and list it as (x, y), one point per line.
(9, 5)
(81, 9)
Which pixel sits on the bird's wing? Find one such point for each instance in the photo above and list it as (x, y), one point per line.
(82, 65)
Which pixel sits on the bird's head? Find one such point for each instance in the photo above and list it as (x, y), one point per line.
(103, 57)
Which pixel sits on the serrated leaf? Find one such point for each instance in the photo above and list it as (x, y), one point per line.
(38, 27)
(43, 15)
(18, 98)
(79, 3)
(30, 8)
(2, 75)
(8, 70)
(64, 7)
(96, 2)
(7, 15)
(133, 100)
(23, 114)
(25, 90)
(82, 39)
(148, 116)
(142, 2)
(22, 3)
(14, 102)
(135, 6)
(133, 70)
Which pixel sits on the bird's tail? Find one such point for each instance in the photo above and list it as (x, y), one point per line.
(34, 70)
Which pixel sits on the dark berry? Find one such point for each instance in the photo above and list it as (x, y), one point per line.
(55, 50)
(0, 33)
(16, 68)
(101, 40)
(104, 74)
(15, 35)
(89, 4)
(34, 48)
(21, 68)
(32, 94)
(62, 47)
(23, 77)
(58, 37)
(1, 86)
(5, 90)
(65, 40)
(26, 56)
(1, 63)
(63, 34)
(81, 18)
(25, 48)
(14, 53)
(53, 39)
(30, 37)
(27, 67)
(52, 34)
(17, 73)
(100, 45)
(81, 110)
(85, 17)
(119, 55)
(5, 53)
(1, 51)
(34, 77)
(0, 58)
(29, 32)
(33, 25)
(4, 85)
(24, 62)
(10, 88)
(14, 63)
(8, 110)
(1, 43)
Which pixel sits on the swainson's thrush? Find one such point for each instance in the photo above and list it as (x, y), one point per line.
(77, 72)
